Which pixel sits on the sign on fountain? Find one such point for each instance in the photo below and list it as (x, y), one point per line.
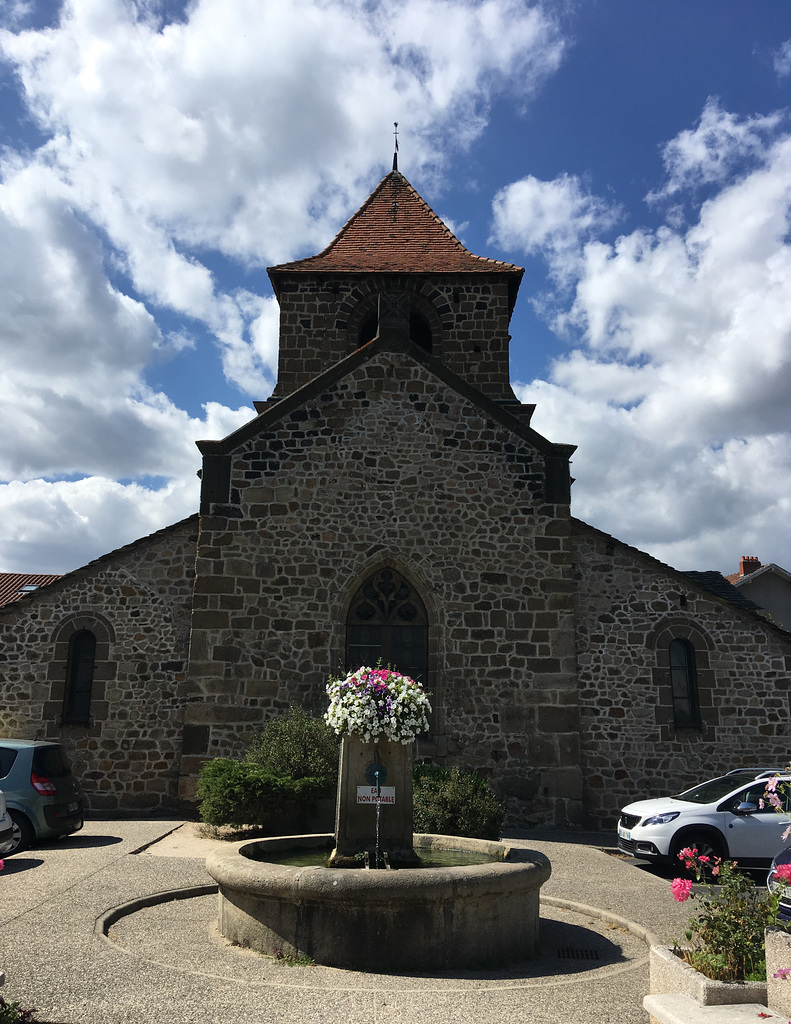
(357, 805)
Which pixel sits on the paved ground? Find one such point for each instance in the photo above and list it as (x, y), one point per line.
(166, 963)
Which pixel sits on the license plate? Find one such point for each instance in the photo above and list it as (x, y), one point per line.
(624, 833)
(72, 808)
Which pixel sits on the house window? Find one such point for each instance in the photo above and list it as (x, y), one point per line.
(79, 677)
(684, 685)
(387, 622)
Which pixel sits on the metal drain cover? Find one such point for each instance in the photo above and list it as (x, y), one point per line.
(570, 953)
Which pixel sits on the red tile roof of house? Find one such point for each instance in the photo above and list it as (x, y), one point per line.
(14, 585)
(395, 231)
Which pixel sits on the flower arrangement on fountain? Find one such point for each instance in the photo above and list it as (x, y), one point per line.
(374, 702)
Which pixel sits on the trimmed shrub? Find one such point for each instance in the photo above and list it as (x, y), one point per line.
(455, 802)
(297, 746)
(243, 793)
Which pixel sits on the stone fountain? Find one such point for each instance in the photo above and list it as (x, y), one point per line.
(403, 917)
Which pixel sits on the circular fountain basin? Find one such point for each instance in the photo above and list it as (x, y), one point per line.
(428, 918)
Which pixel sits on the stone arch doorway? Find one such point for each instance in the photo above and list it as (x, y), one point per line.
(387, 622)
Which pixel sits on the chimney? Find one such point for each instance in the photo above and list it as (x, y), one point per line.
(748, 564)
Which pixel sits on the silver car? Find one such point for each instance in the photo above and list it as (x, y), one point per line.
(43, 797)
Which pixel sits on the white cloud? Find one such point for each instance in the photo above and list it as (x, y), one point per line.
(710, 152)
(179, 154)
(554, 217)
(782, 59)
(677, 388)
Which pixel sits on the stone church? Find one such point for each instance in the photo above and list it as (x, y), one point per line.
(391, 500)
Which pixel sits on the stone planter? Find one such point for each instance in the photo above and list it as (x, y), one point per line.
(778, 954)
(669, 973)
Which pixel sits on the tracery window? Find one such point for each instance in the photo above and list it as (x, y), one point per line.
(387, 622)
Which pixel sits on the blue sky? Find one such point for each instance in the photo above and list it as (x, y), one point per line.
(634, 158)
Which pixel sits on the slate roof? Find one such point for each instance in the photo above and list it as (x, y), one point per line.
(711, 580)
(12, 584)
(719, 585)
(395, 231)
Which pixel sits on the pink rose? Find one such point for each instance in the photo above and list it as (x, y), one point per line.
(681, 888)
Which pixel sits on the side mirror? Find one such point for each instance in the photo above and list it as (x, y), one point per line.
(745, 808)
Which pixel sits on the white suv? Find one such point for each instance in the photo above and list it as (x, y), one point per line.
(728, 817)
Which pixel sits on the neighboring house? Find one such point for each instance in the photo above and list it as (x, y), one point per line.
(768, 586)
(391, 500)
(15, 585)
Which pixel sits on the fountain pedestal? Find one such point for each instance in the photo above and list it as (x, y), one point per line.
(356, 822)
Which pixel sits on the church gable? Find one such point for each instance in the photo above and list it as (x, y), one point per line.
(396, 391)
(386, 467)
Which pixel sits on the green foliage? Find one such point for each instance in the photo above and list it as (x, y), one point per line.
(243, 793)
(727, 935)
(297, 746)
(11, 1013)
(455, 802)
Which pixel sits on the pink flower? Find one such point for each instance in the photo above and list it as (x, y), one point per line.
(681, 888)
(782, 973)
(2, 864)
(687, 853)
(783, 871)
(704, 860)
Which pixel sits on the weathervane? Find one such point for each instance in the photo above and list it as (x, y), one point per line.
(395, 151)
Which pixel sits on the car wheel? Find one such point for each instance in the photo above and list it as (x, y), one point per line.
(705, 844)
(22, 834)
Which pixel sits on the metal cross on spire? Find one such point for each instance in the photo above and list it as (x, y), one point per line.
(395, 151)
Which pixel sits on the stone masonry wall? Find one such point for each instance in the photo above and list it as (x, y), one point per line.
(390, 466)
(628, 607)
(469, 315)
(137, 602)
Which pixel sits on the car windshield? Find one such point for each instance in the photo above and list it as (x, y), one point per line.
(50, 761)
(708, 792)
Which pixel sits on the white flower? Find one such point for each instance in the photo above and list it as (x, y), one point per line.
(370, 702)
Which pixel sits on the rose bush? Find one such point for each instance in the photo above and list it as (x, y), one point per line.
(726, 938)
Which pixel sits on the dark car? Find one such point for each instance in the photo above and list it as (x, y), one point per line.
(43, 797)
(784, 907)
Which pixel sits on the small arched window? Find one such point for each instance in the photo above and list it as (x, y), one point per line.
(79, 677)
(684, 684)
(387, 622)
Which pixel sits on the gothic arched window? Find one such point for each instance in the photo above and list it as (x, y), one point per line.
(684, 684)
(79, 677)
(387, 622)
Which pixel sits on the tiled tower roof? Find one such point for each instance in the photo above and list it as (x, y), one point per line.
(395, 231)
